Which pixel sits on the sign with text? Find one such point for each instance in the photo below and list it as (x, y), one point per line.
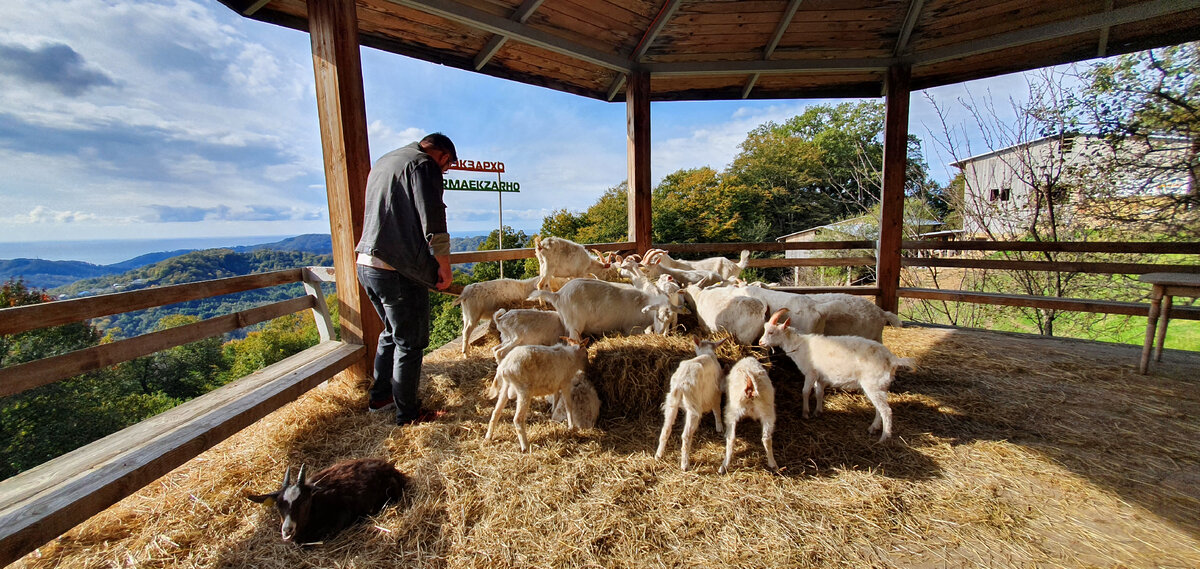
(479, 166)
(482, 185)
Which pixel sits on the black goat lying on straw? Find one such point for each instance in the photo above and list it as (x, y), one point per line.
(337, 497)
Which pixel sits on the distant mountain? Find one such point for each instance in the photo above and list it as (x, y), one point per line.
(38, 273)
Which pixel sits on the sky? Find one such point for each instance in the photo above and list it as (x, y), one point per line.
(180, 118)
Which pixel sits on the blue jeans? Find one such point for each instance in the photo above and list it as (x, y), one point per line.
(403, 305)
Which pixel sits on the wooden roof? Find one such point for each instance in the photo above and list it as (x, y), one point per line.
(722, 49)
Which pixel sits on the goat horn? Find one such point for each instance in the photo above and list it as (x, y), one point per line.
(287, 477)
(778, 313)
(300, 476)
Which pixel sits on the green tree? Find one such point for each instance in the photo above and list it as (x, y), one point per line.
(512, 269)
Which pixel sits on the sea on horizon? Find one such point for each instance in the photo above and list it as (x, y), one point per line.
(109, 251)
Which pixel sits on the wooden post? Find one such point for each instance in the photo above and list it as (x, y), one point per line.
(895, 164)
(637, 119)
(341, 108)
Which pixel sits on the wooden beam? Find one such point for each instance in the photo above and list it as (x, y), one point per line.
(785, 20)
(656, 27)
(910, 22)
(1143, 247)
(45, 501)
(776, 66)
(1045, 302)
(22, 377)
(1093, 22)
(637, 122)
(341, 109)
(1053, 266)
(895, 166)
(478, 19)
(34, 316)
(520, 15)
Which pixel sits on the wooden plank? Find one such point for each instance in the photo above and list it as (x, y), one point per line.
(21, 377)
(312, 286)
(895, 166)
(1054, 266)
(637, 118)
(817, 262)
(859, 290)
(737, 247)
(1191, 248)
(31, 317)
(1045, 302)
(341, 110)
(513, 254)
(42, 503)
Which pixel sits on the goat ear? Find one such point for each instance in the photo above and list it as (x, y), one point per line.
(722, 341)
(267, 500)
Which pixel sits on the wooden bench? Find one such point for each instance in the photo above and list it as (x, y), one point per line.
(44, 502)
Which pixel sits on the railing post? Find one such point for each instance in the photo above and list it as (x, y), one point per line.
(895, 165)
(312, 287)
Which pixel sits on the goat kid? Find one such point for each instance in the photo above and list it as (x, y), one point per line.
(536, 371)
(695, 386)
(336, 497)
(751, 394)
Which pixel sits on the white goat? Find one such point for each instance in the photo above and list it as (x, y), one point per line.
(536, 371)
(846, 362)
(849, 315)
(585, 401)
(696, 386)
(724, 308)
(590, 306)
(558, 257)
(752, 395)
(526, 327)
(702, 277)
(481, 299)
(805, 317)
(727, 269)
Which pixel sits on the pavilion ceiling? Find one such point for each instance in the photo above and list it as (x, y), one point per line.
(722, 49)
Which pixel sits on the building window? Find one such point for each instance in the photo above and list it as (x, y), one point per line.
(1005, 193)
(995, 195)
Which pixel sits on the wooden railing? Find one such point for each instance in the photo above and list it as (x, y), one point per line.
(45, 501)
(1046, 302)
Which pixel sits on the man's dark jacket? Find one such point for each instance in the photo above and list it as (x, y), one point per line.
(404, 213)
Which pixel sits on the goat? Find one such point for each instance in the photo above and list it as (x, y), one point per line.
(751, 394)
(335, 498)
(702, 277)
(724, 308)
(590, 306)
(849, 315)
(558, 257)
(695, 386)
(583, 398)
(847, 362)
(482, 299)
(536, 371)
(727, 269)
(525, 327)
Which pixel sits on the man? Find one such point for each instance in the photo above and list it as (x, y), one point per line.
(404, 252)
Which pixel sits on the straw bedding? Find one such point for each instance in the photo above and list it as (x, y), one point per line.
(1008, 452)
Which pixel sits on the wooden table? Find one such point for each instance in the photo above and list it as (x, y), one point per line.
(1166, 285)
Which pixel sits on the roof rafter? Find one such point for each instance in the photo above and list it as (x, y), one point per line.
(906, 29)
(789, 13)
(521, 15)
(479, 19)
(656, 27)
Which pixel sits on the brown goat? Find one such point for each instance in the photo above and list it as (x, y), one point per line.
(337, 497)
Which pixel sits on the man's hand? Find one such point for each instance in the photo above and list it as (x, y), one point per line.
(445, 277)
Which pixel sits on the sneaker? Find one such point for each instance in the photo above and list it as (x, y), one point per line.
(380, 405)
(424, 416)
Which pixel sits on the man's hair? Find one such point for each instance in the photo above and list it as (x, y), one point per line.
(441, 142)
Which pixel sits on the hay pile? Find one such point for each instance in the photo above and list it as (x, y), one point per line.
(1009, 452)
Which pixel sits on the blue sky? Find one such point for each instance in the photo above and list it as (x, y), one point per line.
(129, 120)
